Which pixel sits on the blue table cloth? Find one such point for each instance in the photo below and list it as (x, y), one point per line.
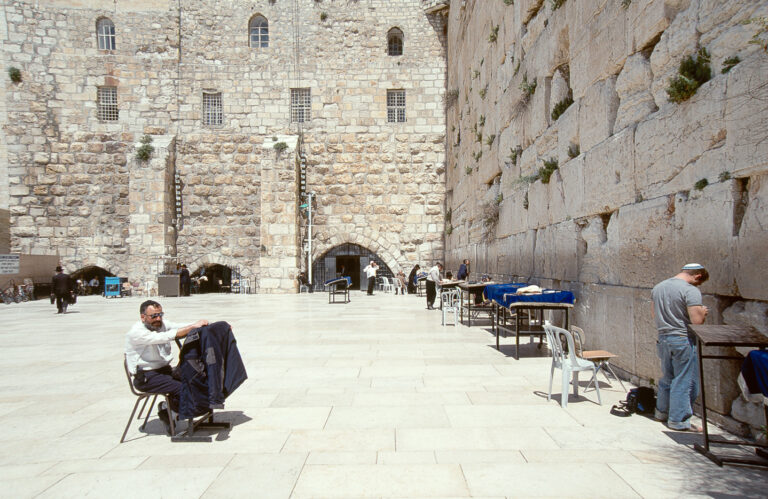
(339, 280)
(546, 296)
(496, 292)
(755, 372)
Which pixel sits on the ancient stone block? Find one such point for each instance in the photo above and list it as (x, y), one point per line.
(597, 112)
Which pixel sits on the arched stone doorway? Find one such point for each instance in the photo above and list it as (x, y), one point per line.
(212, 278)
(349, 260)
(85, 275)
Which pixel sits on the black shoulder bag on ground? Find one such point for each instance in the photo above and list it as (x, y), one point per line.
(641, 400)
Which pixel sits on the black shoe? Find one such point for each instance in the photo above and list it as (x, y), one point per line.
(162, 413)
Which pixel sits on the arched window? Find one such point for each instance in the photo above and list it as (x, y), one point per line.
(258, 30)
(105, 34)
(395, 42)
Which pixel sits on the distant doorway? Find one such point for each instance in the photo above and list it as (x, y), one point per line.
(353, 258)
(349, 266)
(212, 278)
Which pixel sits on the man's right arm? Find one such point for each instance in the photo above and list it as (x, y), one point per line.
(698, 314)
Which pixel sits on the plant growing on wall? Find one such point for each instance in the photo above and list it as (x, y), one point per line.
(724, 176)
(729, 63)
(14, 74)
(479, 137)
(468, 170)
(481, 121)
(323, 16)
(475, 74)
(449, 230)
(514, 153)
(556, 4)
(761, 36)
(573, 150)
(279, 147)
(451, 96)
(525, 201)
(701, 184)
(625, 3)
(509, 2)
(494, 34)
(517, 69)
(478, 155)
(145, 150)
(489, 140)
(693, 73)
(448, 216)
(528, 88)
(560, 107)
(483, 91)
(545, 172)
(490, 217)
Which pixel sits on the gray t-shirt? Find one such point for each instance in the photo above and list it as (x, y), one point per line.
(671, 299)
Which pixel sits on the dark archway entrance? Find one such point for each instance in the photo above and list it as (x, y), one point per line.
(85, 275)
(212, 278)
(347, 260)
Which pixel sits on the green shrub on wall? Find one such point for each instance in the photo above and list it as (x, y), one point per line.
(693, 73)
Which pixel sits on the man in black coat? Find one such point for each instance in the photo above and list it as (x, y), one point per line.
(185, 280)
(62, 287)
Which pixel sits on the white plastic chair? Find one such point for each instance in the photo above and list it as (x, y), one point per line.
(386, 285)
(569, 363)
(451, 304)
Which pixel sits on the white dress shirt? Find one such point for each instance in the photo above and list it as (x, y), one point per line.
(434, 274)
(149, 349)
(370, 271)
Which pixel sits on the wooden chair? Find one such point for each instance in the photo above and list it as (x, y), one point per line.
(602, 358)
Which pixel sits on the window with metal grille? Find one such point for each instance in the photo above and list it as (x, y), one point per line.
(395, 42)
(107, 103)
(213, 114)
(259, 32)
(105, 34)
(301, 105)
(396, 106)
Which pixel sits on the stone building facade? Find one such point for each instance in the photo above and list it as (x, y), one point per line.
(627, 205)
(215, 101)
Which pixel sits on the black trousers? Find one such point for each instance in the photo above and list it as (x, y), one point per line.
(62, 301)
(160, 381)
(371, 282)
(431, 293)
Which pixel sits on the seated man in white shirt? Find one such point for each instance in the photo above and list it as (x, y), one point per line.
(148, 353)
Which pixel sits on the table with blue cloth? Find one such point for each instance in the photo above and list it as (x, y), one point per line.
(338, 286)
(754, 368)
(469, 289)
(514, 311)
(420, 281)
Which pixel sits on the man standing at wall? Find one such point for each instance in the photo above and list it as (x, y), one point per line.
(463, 273)
(432, 279)
(370, 271)
(62, 287)
(677, 303)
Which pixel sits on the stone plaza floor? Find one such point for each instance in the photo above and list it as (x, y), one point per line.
(368, 399)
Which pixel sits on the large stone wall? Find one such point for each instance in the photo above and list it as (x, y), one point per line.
(622, 212)
(71, 180)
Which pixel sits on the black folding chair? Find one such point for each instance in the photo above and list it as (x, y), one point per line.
(145, 397)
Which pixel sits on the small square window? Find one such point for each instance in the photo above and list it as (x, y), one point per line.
(107, 103)
(301, 105)
(396, 106)
(213, 114)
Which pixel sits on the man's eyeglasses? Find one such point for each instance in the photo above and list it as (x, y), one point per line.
(158, 315)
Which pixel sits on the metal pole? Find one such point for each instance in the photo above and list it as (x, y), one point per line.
(309, 239)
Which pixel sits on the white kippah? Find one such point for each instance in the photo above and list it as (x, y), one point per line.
(693, 266)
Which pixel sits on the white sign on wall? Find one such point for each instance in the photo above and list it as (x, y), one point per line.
(9, 264)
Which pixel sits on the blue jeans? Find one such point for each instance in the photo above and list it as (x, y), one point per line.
(679, 385)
